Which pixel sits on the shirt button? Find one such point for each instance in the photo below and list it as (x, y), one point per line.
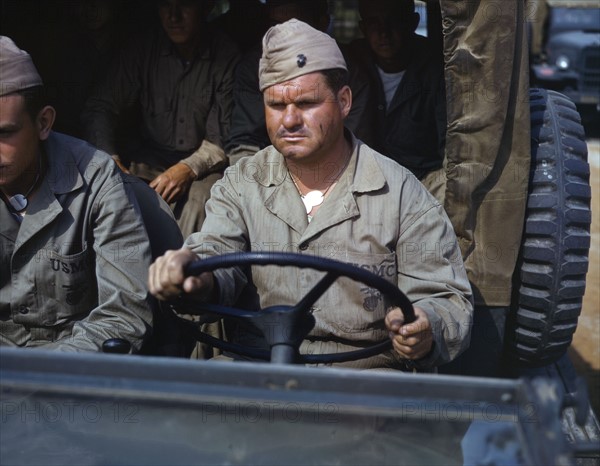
(303, 247)
(380, 107)
(181, 120)
(24, 309)
(181, 141)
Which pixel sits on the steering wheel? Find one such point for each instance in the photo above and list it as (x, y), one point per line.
(283, 326)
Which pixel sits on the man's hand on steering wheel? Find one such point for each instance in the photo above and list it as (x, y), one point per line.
(411, 341)
(167, 278)
(180, 272)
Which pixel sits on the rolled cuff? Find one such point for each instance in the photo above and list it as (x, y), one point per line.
(209, 157)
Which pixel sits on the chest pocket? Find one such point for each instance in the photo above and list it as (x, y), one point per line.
(354, 310)
(68, 285)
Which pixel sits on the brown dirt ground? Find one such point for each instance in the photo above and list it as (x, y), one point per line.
(585, 350)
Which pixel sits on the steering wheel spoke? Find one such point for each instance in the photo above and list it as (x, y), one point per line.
(317, 291)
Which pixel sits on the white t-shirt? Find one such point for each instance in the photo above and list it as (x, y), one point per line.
(390, 82)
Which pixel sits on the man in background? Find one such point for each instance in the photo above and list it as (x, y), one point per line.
(407, 108)
(180, 76)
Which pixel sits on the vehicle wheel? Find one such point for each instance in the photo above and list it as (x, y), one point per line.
(553, 261)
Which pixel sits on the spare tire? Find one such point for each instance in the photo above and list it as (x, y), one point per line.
(553, 259)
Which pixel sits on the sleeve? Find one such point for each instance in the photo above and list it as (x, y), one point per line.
(206, 159)
(119, 89)
(224, 231)
(210, 156)
(248, 132)
(431, 273)
(122, 258)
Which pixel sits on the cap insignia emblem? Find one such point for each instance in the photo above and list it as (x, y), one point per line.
(301, 60)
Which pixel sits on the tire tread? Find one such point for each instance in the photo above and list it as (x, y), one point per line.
(553, 258)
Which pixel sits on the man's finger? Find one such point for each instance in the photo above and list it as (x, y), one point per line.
(172, 193)
(394, 319)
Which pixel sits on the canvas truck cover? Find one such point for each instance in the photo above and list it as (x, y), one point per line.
(487, 145)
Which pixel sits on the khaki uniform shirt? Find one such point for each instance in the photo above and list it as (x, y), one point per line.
(74, 272)
(377, 217)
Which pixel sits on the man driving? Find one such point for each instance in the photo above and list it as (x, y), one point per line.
(319, 191)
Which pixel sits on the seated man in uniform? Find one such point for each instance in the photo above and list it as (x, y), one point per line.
(320, 191)
(180, 75)
(74, 251)
(407, 110)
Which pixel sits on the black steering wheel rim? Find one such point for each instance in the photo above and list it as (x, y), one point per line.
(334, 270)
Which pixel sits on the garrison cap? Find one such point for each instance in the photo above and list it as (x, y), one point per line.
(294, 48)
(17, 71)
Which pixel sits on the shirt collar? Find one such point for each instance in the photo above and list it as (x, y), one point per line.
(62, 175)
(365, 172)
